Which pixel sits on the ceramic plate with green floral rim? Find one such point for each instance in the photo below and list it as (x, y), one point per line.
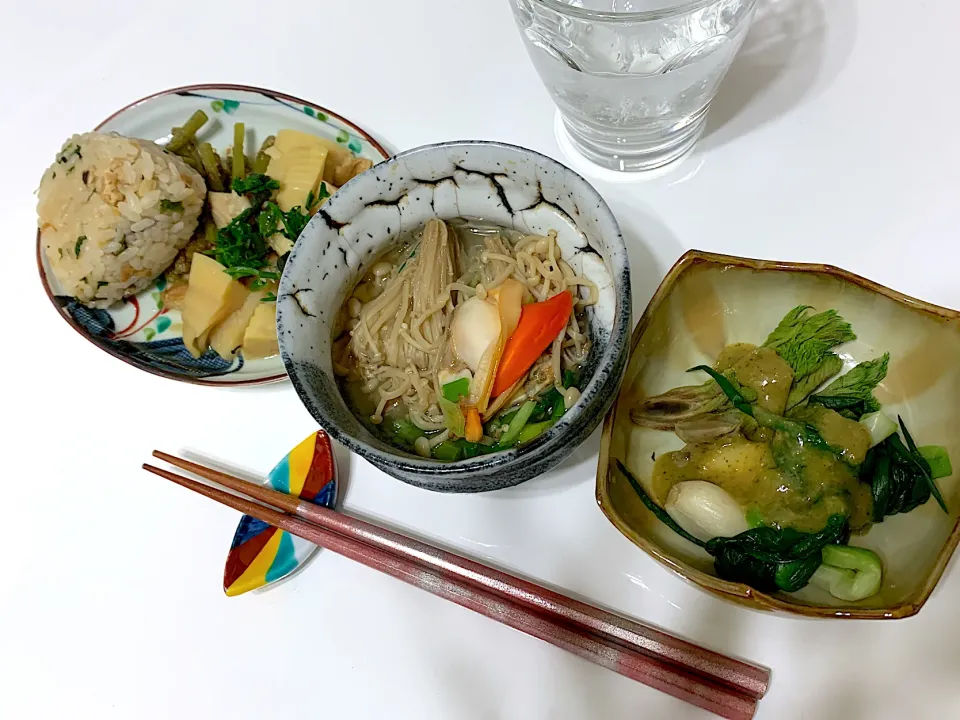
(140, 330)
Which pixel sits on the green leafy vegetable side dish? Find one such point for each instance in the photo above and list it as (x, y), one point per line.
(242, 246)
(901, 476)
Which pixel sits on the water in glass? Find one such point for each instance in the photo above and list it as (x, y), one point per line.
(633, 79)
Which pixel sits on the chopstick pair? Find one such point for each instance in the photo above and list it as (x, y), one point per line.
(727, 687)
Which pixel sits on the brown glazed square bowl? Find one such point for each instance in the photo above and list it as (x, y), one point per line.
(707, 301)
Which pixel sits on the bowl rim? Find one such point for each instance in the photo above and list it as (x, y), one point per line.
(45, 282)
(551, 441)
(741, 593)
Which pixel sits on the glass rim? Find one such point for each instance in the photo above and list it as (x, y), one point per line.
(674, 8)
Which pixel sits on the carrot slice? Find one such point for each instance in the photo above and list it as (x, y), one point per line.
(474, 428)
(539, 325)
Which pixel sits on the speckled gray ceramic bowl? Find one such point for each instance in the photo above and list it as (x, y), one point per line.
(499, 183)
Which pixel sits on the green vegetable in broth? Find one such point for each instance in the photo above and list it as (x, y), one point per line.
(457, 389)
(452, 417)
(517, 424)
(404, 431)
(531, 431)
(448, 451)
(422, 335)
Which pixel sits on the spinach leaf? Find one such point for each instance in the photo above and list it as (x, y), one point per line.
(899, 478)
(765, 558)
(918, 461)
(803, 340)
(471, 449)
(769, 558)
(854, 391)
(547, 405)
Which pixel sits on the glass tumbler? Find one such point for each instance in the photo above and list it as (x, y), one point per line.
(633, 79)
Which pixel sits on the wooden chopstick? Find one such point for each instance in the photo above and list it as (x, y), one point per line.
(640, 663)
(741, 676)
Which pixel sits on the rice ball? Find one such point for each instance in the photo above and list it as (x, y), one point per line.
(113, 212)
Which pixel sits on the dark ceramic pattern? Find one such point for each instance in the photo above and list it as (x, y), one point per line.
(501, 183)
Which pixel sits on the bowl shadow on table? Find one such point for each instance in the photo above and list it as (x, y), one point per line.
(344, 462)
(794, 48)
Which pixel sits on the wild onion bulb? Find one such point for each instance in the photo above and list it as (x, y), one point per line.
(705, 510)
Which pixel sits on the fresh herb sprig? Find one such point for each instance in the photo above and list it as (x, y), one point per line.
(257, 186)
(242, 246)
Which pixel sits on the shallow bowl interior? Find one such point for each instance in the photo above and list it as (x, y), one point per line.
(499, 183)
(708, 301)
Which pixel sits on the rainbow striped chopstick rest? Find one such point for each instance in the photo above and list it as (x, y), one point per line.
(260, 554)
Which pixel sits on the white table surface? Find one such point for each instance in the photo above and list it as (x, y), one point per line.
(834, 139)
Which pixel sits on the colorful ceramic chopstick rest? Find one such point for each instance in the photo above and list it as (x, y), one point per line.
(261, 554)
